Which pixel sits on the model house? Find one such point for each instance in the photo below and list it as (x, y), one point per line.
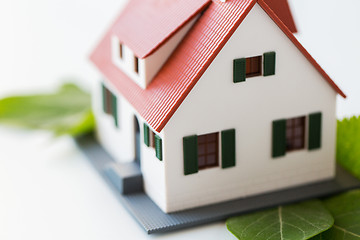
(214, 100)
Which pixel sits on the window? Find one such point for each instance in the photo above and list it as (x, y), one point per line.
(295, 133)
(110, 104)
(108, 101)
(121, 51)
(253, 66)
(289, 134)
(208, 150)
(201, 152)
(136, 64)
(154, 141)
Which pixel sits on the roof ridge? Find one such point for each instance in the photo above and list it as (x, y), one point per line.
(157, 104)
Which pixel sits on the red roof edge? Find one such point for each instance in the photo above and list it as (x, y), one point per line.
(282, 9)
(207, 64)
(176, 30)
(282, 26)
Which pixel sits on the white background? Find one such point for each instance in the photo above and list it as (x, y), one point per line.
(48, 190)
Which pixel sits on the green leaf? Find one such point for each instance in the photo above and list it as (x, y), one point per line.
(318, 237)
(293, 222)
(345, 208)
(348, 145)
(68, 111)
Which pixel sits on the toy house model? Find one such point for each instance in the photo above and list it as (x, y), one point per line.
(213, 100)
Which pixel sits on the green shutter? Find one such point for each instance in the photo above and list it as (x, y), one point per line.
(114, 109)
(315, 131)
(239, 70)
(228, 148)
(190, 155)
(103, 97)
(279, 138)
(158, 147)
(269, 63)
(146, 135)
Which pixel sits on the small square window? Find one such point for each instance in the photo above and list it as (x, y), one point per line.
(208, 150)
(253, 66)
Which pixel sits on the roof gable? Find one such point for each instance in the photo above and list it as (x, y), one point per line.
(172, 84)
(287, 32)
(144, 25)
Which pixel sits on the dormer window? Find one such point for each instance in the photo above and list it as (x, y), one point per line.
(121, 51)
(136, 64)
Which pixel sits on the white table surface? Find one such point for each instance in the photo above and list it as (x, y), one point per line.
(48, 190)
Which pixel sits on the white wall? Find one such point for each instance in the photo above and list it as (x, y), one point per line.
(127, 62)
(120, 142)
(216, 104)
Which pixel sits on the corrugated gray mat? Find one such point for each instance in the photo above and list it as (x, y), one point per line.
(154, 220)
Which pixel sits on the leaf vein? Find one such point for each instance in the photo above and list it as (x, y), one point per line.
(265, 229)
(303, 219)
(281, 224)
(259, 219)
(346, 231)
(347, 213)
(294, 226)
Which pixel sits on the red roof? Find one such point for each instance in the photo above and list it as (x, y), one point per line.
(282, 10)
(159, 101)
(144, 25)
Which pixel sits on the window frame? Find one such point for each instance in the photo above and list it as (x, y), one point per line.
(121, 51)
(152, 139)
(251, 63)
(293, 126)
(203, 141)
(136, 64)
(108, 101)
(254, 66)
(110, 104)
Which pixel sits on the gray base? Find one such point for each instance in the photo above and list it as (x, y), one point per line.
(154, 220)
(126, 177)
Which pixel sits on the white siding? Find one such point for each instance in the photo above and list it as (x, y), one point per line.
(127, 62)
(120, 143)
(216, 103)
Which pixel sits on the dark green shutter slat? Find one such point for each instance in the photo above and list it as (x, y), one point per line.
(146, 135)
(279, 138)
(114, 109)
(158, 147)
(104, 97)
(239, 70)
(269, 63)
(315, 130)
(228, 148)
(190, 155)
